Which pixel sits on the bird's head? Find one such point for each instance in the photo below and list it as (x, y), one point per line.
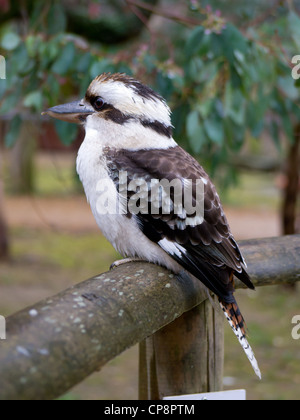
(120, 100)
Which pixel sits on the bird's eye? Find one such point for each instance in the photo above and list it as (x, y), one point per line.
(98, 103)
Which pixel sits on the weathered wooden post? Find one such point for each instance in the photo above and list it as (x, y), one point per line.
(185, 357)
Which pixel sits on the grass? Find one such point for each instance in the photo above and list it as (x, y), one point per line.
(57, 176)
(65, 250)
(49, 262)
(254, 191)
(269, 313)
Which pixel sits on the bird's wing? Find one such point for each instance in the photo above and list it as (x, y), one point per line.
(206, 248)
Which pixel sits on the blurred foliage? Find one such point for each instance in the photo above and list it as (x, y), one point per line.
(224, 66)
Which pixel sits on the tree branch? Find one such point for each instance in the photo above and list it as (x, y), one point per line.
(164, 13)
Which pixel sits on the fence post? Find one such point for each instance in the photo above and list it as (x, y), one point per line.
(185, 357)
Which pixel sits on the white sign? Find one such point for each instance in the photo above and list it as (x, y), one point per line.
(295, 70)
(296, 329)
(2, 67)
(237, 395)
(2, 328)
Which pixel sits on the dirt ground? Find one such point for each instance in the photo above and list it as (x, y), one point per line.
(63, 214)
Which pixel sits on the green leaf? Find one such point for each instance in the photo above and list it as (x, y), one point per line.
(84, 83)
(57, 21)
(10, 41)
(3, 87)
(238, 114)
(101, 66)
(36, 13)
(234, 105)
(32, 42)
(235, 135)
(65, 60)
(52, 89)
(217, 45)
(49, 52)
(13, 131)
(235, 78)
(84, 63)
(10, 102)
(19, 60)
(195, 41)
(193, 69)
(294, 28)
(205, 107)
(150, 62)
(275, 134)
(287, 84)
(164, 85)
(124, 68)
(67, 132)
(214, 129)
(195, 132)
(179, 120)
(233, 43)
(254, 118)
(34, 100)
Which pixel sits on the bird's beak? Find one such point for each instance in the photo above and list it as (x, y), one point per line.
(74, 112)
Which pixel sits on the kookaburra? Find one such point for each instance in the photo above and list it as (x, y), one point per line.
(128, 130)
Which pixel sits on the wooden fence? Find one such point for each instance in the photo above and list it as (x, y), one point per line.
(55, 344)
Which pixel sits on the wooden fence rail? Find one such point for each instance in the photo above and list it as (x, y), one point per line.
(55, 344)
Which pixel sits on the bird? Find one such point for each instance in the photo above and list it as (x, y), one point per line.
(129, 134)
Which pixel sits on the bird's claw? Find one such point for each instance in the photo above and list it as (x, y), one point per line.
(118, 263)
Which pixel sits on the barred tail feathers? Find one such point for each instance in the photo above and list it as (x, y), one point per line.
(236, 321)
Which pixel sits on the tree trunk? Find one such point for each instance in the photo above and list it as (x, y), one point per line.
(4, 247)
(291, 192)
(22, 160)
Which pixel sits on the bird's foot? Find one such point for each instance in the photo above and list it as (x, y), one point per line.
(118, 263)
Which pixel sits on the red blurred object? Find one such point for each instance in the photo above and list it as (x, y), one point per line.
(4, 5)
(94, 10)
(49, 140)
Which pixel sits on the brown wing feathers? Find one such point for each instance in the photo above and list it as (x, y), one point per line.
(212, 254)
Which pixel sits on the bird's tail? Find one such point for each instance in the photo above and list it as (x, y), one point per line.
(237, 323)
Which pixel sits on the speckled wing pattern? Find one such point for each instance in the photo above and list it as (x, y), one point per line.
(211, 251)
(207, 250)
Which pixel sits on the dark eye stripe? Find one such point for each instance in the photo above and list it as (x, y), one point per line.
(118, 117)
(159, 127)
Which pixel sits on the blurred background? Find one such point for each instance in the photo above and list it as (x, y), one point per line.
(226, 69)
